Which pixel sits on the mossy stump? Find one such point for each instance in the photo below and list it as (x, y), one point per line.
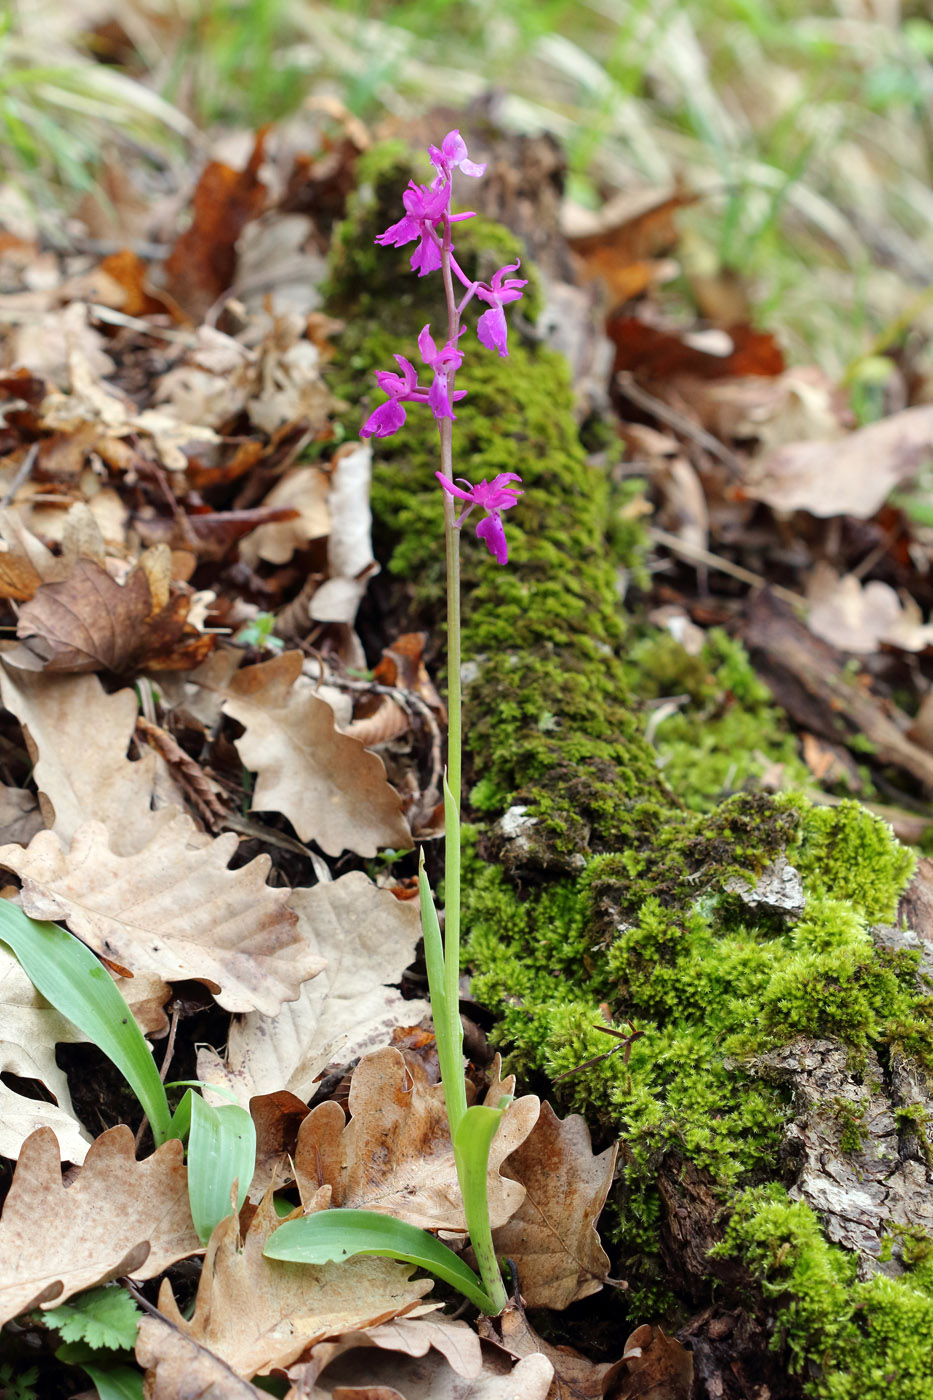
(775, 1110)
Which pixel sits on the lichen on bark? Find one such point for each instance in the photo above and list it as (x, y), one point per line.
(589, 881)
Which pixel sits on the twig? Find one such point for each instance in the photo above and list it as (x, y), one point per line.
(25, 471)
(678, 421)
(696, 555)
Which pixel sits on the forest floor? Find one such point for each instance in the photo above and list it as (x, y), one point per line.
(222, 740)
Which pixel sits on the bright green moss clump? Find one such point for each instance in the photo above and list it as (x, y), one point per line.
(850, 1340)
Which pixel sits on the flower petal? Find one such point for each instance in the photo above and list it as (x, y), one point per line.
(386, 420)
(493, 331)
(492, 532)
(427, 347)
(452, 489)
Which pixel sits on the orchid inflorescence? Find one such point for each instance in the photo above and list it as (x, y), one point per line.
(428, 219)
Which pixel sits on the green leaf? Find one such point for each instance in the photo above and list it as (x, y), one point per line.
(117, 1382)
(77, 984)
(340, 1234)
(106, 1318)
(221, 1151)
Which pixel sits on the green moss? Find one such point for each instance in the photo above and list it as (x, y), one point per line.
(726, 731)
(850, 854)
(849, 1340)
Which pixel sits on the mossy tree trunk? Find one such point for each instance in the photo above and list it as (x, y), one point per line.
(786, 1033)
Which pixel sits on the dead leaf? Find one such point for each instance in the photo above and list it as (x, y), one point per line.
(172, 909)
(29, 1031)
(631, 234)
(81, 769)
(177, 1368)
(332, 790)
(552, 1236)
(119, 1216)
(651, 353)
(853, 476)
(20, 817)
(859, 617)
(364, 939)
(202, 264)
(258, 1314)
(684, 511)
(89, 622)
(575, 1376)
(659, 1367)
(304, 490)
(372, 1374)
(395, 1156)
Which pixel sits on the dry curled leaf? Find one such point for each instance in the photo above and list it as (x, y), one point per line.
(81, 769)
(395, 1155)
(373, 1374)
(119, 1216)
(89, 622)
(331, 789)
(177, 1368)
(172, 909)
(29, 1031)
(257, 1314)
(859, 617)
(552, 1237)
(851, 476)
(364, 938)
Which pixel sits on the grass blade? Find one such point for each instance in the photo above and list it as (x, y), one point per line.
(77, 984)
(340, 1234)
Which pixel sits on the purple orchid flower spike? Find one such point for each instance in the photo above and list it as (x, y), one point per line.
(444, 362)
(452, 155)
(493, 497)
(491, 326)
(401, 388)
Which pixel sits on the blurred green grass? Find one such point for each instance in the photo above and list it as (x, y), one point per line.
(806, 128)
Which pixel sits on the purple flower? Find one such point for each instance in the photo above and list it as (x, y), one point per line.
(401, 388)
(444, 362)
(424, 207)
(491, 326)
(453, 156)
(493, 497)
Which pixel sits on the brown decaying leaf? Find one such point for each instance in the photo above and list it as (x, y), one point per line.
(202, 264)
(329, 787)
(303, 490)
(29, 1031)
(177, 1368)
(89, 622)
(364, 938)
(552, 1236)
(408, 1336)
(623, 251)
(172, 909)
(575, 1377)
(120, 1216)
(81, 768)
(650, 353)
(20, 817)
(257, 1314)
(395, 1156)
(659, 1367)
(852, 476)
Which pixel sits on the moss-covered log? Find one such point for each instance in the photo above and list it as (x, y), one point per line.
(742, 941)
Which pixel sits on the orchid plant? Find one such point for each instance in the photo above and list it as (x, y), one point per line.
(337, 1234)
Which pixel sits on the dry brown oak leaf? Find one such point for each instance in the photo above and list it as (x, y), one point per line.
(178, 1369)
(29, 1030)
(257, 1313)
(365, 938)
(395, 1156)
(409, 1336)
(331, 789)
(119, 1216)
(369, 1374)
(552, 1236)
(171, 909)
(77, 736)
(89, 622)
